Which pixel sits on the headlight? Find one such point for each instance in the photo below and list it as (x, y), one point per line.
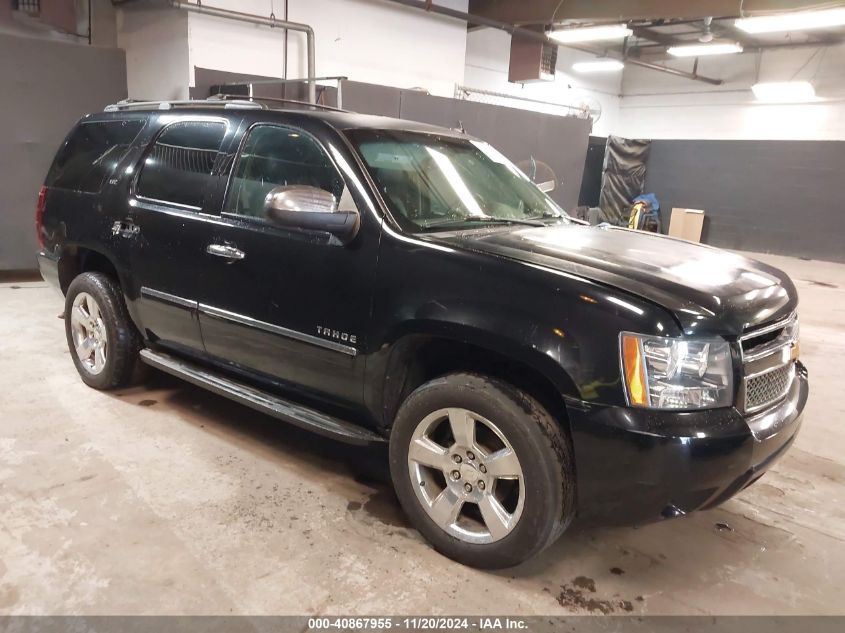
(667, 373)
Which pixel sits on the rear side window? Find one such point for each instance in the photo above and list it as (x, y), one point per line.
(178, 167)
(91, 153)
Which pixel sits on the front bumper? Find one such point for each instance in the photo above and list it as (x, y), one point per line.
(638, 465)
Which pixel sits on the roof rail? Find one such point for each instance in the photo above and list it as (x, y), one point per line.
(133, 104)
(232, 98)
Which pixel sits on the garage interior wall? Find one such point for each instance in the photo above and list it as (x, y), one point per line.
(487, 59)
(156, 45)
(781, 197)
(656, 105)
(47, 86)
(769, 176)
(411, 49)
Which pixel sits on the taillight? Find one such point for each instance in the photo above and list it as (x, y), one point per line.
(39, 217)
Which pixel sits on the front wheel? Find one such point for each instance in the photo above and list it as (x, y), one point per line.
(483, 471)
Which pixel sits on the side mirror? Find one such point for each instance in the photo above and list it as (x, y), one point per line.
(546, 186)
(310, 209)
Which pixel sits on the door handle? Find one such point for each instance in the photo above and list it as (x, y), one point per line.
(224, 250)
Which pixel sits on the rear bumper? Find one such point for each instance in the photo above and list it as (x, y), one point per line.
(48, 266)
(637, 466)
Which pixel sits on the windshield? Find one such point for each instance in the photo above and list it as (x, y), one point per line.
(433, 183)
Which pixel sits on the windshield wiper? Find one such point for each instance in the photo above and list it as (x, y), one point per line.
(548, 215)
(483, 219)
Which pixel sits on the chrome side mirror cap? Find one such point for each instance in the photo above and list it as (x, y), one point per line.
(306, 208)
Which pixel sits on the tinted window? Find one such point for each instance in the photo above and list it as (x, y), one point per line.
(91, 153)
(274, 156)
(178, 168)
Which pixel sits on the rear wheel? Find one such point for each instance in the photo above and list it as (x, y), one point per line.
(103, 341)
(482, 470)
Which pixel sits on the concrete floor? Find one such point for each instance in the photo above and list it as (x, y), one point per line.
(166, 499)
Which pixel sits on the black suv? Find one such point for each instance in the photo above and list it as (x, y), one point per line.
(378, 280)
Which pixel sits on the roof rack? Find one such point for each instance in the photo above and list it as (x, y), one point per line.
(235, 98)
(220, 100)
(229, 104)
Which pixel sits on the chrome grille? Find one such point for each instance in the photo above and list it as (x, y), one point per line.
(768, 363)
(768, 388)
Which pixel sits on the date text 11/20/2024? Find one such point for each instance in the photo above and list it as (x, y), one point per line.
(418, 623)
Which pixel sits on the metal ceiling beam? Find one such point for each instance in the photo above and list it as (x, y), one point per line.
(751, 43)
(786, 45)
(723, 29)
(726, 28)
(542, 11)
(652, 35)
(542, 37)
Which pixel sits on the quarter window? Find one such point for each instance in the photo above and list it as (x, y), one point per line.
(274, 156)
(178, 168)
(91, 154)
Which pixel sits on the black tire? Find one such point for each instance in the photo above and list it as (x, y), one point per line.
(541, 445)
(123, 340)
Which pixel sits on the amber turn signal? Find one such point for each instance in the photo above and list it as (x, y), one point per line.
(634, 368)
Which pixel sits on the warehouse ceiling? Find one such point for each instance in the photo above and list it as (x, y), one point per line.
(547, 11)
(659, 24)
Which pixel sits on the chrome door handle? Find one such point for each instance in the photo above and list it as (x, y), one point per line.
(224, 250)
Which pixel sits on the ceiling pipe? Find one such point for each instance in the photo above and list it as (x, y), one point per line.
(198, 7)
(542, 37)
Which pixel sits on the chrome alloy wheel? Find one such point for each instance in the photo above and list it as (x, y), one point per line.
(89, 333)
(466, 475)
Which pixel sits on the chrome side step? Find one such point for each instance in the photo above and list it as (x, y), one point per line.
(263, 401)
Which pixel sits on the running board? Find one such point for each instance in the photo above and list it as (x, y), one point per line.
(263, 401)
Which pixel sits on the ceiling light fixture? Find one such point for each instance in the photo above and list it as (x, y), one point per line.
(591, 33)
(699, 50)
(598, 66)
(799, 21)
(784, 91)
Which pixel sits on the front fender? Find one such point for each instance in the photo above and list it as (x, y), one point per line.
(544, 349)
(565, 327)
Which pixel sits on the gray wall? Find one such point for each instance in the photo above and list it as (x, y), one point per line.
(782, 197)
(47, 86)
(372, 98)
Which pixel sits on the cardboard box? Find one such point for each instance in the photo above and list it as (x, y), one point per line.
(686, 224)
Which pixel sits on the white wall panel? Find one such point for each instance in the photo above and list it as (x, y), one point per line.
(156, 45)
(366, 40)
(656, 105)
(487, 59)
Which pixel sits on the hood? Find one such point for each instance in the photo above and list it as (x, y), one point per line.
(707, 289)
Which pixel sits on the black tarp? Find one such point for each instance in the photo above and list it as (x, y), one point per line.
(593, 168)
(623, 177)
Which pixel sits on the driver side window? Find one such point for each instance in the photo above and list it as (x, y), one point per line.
(274, 156)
